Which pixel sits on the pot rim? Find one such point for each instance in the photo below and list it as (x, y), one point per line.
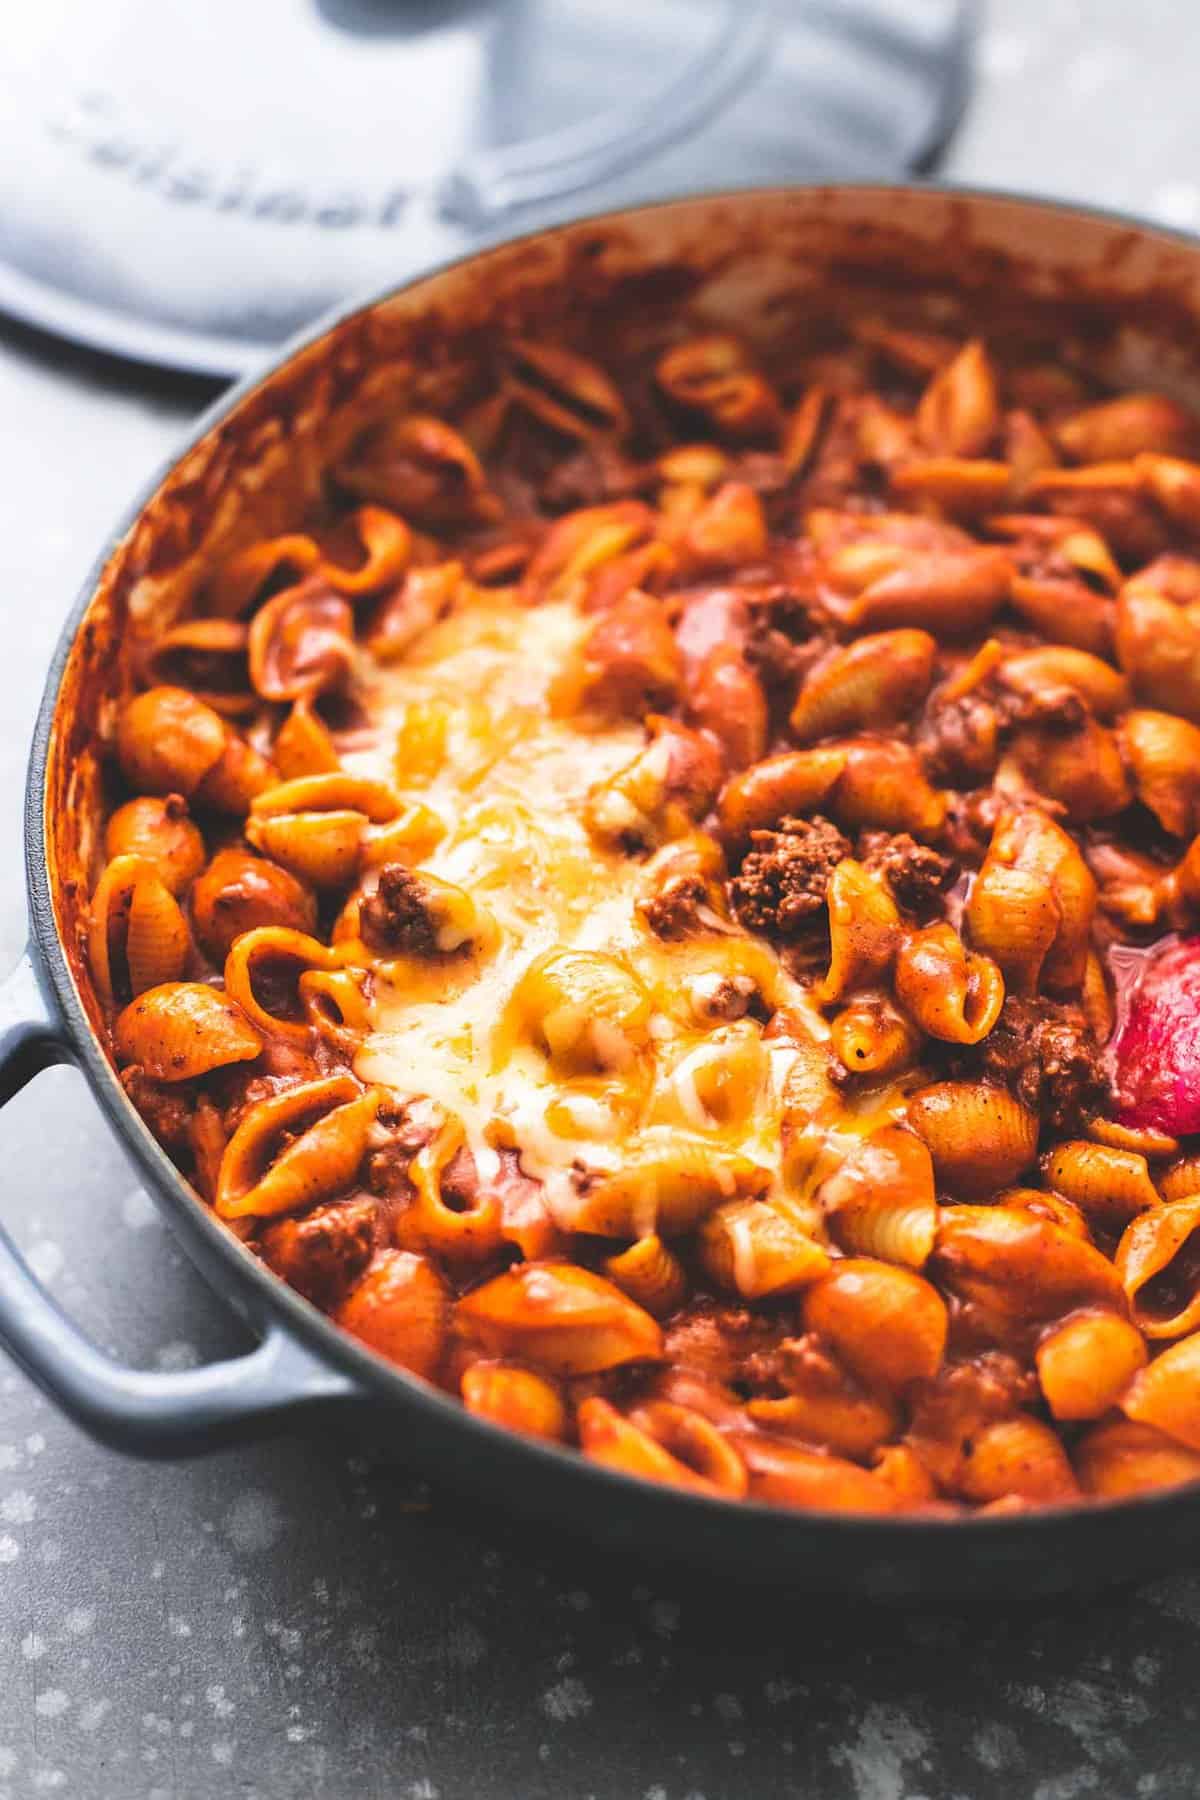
(263, 1293)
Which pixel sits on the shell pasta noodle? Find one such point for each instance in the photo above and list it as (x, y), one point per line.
(668, 906)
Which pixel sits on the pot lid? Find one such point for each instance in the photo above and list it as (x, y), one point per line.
(189, 185)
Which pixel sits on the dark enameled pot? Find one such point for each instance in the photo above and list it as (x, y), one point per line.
(765, 263)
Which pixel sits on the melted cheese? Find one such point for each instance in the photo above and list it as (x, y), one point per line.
(464, 725)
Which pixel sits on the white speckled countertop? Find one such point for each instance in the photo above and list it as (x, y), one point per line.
(288, 1621)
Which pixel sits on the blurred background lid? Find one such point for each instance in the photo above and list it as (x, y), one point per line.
(189, 184)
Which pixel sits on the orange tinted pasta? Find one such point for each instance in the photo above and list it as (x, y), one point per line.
(630, 908)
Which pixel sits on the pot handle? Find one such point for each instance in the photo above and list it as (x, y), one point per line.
(144, 1412)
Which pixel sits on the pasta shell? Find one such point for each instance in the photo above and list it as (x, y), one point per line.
(295, 1148)
(607, 1437)
(728, 530)
(426, 596)
(959, 485)
(959, 412)
(580, 544)
(108, 924)
(913, 352)
(564, 390)
(167, 741)
(1164, 754)
(560, 1316)
(875, 681)
(880, 1202)
(1018, 1458)
(1027, 448)
(1181, 1180)
(883, 787)
(1086, 1363)
(464, 1229)
(727, 699)
(1123, 427)
(1097, 1001)
(864, 930)
(283, 956)
(714, 375)
(240, 892)
(301, 643)
(694, 1441)
(1047, 1206)
(515, 1398)
(1158, 644)
(1157, 1261)
(651, 1275)
(1033, 878)
(1119, 1458)
(828, 1409)
(401, 1310)
(885, 1323)
(381, 544)
(303, 746)
(420, 467)
(1020, 1266)
(1108, 1184)
(585, 1010)
(797, 782)
(1104, 689)
(1112, 497)
(666, 1183)
(954, 594)
(208, 658)
(1166, 1393)
(693, 465)
(871, 1036)
(1081, 769)
(979, 1136)
(753, 1250)
(1174, 483)
(331, 792)
(949, 992)
(336, 1007)
(409, 838)
(1143, 1140)
(161, 833)
(156, 938)
(184, 1029)
(1066, 610)
(788, 1474)
(238, 774)
(236, 583)
(321, 848)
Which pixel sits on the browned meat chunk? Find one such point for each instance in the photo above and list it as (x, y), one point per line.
(166, 1106)
(784, 876)
(1044, 1051)
(323, 1255)
(958, 742)
(727, 1344)
(676, 911)
(917, 875)
(397, 919)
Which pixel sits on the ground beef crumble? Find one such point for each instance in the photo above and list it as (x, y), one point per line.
(917, 875)
(781, 886)
(958, 741)
(676, 910)
(323, 1254)
(396, 920)
(1044, 1051)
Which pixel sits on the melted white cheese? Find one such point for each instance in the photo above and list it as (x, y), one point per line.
(464, 725)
